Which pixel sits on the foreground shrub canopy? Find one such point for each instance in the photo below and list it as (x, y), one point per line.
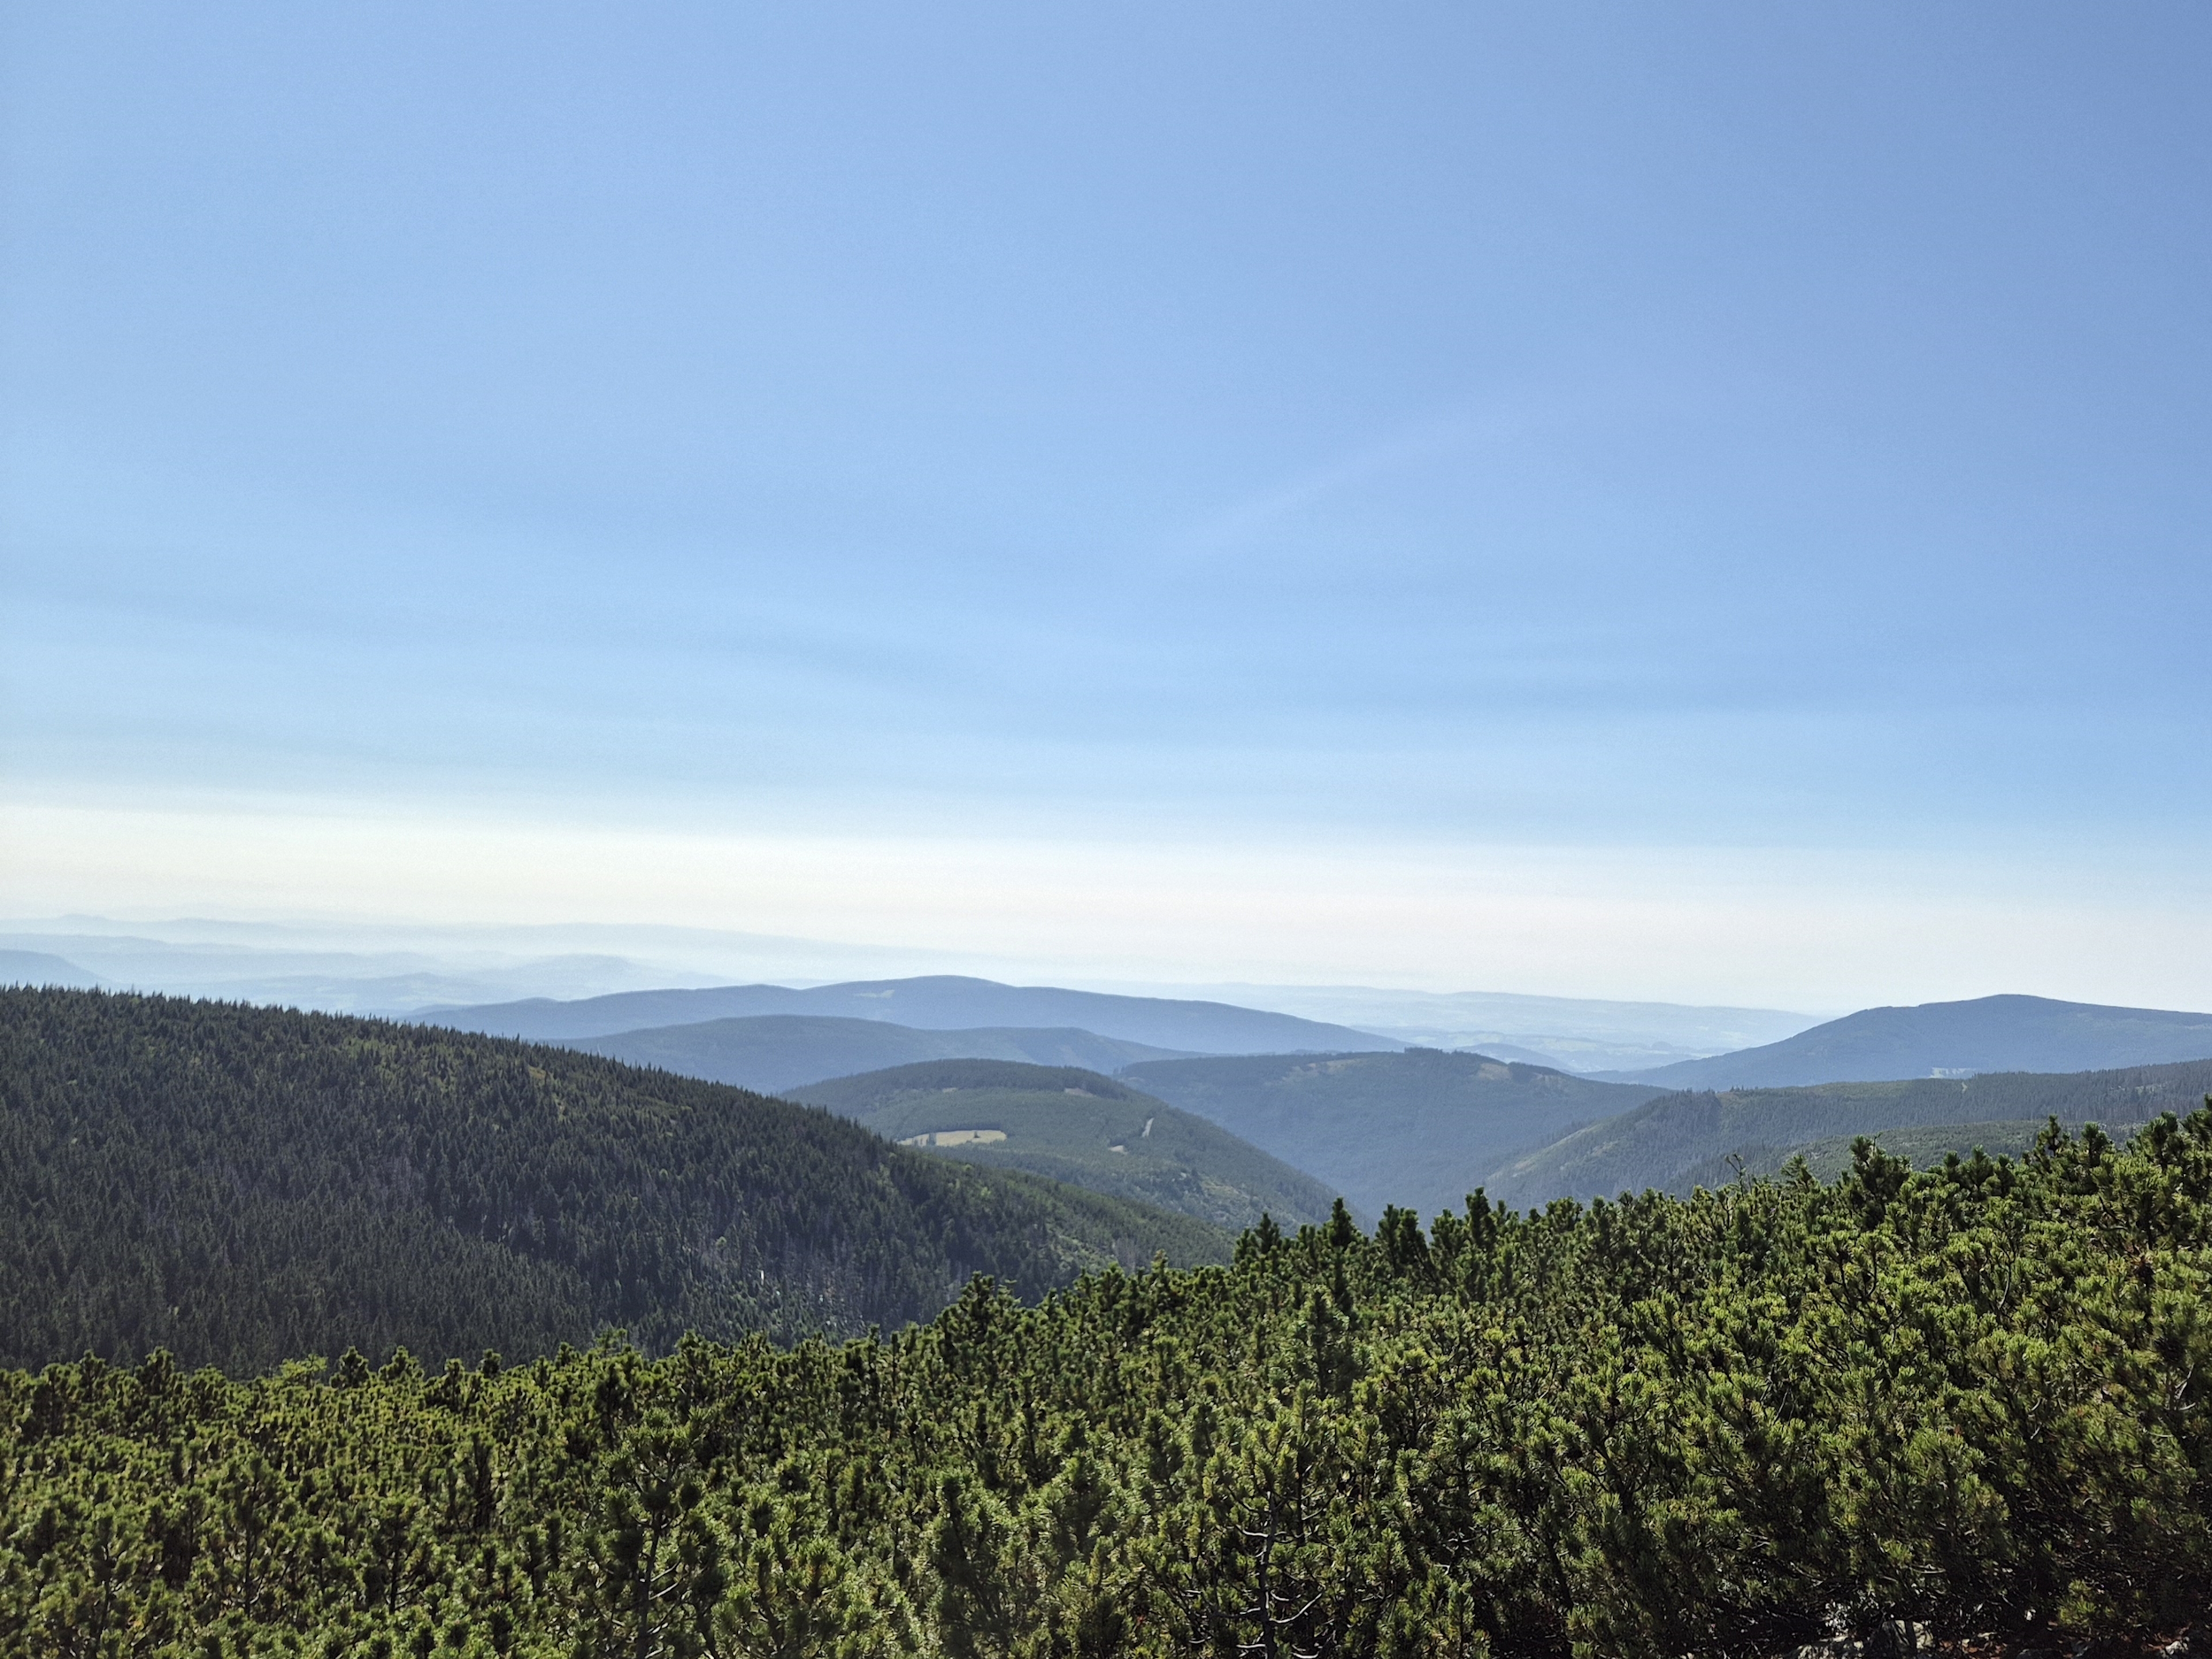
(1974, 1397)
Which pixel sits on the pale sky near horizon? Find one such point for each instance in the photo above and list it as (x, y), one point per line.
(1705, 502)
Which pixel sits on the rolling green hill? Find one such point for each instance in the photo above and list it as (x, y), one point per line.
(775, 1053)
(238, 1185)
(1683, 1139)
(1075, 1126)
(1418, 1129)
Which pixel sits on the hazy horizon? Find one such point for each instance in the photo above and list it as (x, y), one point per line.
(1702, 506)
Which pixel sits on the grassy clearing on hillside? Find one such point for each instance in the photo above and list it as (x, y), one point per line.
(1078, 1126)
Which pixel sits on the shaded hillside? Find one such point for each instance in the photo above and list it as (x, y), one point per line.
(774, 1053)
(1418, 1129)
(1075, 1126)
(239, 1184)
(1681, 1137)
(1990, 1033)
(935, 1002)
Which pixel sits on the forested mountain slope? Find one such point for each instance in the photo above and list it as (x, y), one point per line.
(776, 1053)
(238, 1185)
(1075, 1126)
(1418, 1129)
(941, 1001)
(1972, 1402)
(1683, 1138)
(1989, 1034)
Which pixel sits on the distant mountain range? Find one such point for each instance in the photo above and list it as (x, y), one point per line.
(40, 967)
(1335, 1082)
(397, 969)
(1677, 1141)
(1074, 1125)
(1571, 1033)
(776, 1053)
(1417, 1126)
(1418, 1129)
(1989, 1034)
(933, 1002)
(332, 981)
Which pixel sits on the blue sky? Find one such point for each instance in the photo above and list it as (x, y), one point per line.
(1464, 478)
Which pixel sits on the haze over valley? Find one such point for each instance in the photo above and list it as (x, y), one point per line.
(1336, 1112)
(397, 969)
(1105, 832)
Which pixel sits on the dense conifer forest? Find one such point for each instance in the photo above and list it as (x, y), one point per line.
(1972, 1400)
(240, 1186)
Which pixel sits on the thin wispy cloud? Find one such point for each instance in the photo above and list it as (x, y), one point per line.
(1443, 432)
